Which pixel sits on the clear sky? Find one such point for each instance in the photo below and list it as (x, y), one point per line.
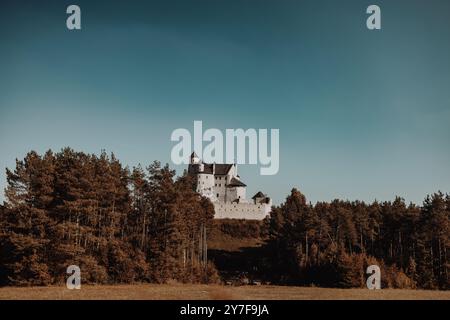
(362, 114)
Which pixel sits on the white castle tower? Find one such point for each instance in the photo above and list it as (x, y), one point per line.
(223, 186)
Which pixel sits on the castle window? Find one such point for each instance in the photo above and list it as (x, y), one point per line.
(217, 195)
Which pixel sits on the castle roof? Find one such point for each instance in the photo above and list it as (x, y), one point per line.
(236, 183)
(259, 195)
(220, 169)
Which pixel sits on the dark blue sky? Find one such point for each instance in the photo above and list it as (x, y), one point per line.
(362, 114)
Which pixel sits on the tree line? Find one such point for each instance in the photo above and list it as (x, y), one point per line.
(118, 225)
(331, 244)
(124, 225)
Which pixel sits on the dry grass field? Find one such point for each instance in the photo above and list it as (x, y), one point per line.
(204, 292)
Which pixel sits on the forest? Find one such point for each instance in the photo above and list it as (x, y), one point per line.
(331, 244)
(139, 225)
(117, 225)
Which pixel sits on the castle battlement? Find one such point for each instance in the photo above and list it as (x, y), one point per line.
(224, 187)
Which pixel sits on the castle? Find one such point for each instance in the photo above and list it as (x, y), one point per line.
(223, 186)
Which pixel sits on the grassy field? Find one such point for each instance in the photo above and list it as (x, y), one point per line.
(204, 292)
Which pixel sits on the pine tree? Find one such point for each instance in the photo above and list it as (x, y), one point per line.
(25, 225)
(434, 242)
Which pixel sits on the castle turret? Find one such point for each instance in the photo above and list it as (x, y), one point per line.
(194, 158)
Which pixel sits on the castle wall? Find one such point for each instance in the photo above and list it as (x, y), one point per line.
(247, 211)
(231, 173)
(205, 185)
(231, 194)
(240, 193)
(220, 187)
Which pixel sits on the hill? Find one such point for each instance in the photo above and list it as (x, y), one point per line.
(233, 246)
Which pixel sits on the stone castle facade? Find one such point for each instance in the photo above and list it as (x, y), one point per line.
(223, 186)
